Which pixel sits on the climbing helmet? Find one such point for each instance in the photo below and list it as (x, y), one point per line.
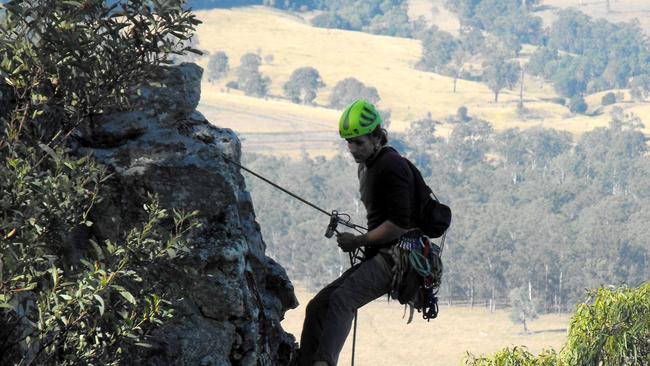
(360, 118)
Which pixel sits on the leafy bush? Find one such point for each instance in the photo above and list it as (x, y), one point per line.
(609, 98)
(611, 328)
(462, 114)
(69, 60)
(515, 356)
(65, 296)
(62, 302)
(577, 104)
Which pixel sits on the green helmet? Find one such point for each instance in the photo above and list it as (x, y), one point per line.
(360, 118)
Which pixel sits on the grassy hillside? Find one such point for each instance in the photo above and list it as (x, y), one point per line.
(383, 62)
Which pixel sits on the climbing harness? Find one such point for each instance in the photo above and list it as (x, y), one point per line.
(336, 219)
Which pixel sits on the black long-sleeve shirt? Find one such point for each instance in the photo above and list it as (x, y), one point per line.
(386, 184)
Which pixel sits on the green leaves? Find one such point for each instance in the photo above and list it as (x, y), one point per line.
(611, 328)
(83, 56)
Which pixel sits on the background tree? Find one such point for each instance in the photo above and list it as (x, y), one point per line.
(217, 66)
(542, 61)
(499, 73)
(457, 66)
(395, 22)
(249, 78)
(303, 84)
(640, 87)
(350, 89)
(523, 307)
(577, 104)
(472, 39)
(438, 49)
(608, 99)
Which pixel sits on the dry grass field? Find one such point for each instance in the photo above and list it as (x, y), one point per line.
(384, 338)
(275, 126)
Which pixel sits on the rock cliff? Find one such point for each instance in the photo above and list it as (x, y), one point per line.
(230, 297)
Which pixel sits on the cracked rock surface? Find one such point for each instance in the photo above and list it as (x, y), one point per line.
(230, 299)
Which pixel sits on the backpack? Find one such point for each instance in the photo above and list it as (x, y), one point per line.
(433, 217)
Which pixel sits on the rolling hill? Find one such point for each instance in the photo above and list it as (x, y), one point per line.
(274, 125)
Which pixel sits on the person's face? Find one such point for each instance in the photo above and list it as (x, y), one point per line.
(362, 147)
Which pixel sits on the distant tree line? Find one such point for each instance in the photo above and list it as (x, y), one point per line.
(578, 54)
(535, 211)
(587, 55)
(302, 86)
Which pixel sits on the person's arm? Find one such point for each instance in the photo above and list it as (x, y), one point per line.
(383, 233)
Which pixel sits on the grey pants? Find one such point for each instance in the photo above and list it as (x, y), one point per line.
(329, 314)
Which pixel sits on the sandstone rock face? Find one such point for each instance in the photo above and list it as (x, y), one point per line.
(230, 298)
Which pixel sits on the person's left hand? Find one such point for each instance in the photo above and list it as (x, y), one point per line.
(348, 242)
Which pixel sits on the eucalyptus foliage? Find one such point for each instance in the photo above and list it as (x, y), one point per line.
(515, 356)
(611, 328)
(70, 60)
(67, 296)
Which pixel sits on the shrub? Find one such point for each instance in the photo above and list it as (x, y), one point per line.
(463, 114)
(577, 104)
(608, 99)
(611, 328)
(86, 56)
(64, 298)
(515, 356)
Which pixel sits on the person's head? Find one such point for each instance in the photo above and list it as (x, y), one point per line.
(360, 126)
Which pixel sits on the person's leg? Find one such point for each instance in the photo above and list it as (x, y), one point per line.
(370, 281)
(313, 325)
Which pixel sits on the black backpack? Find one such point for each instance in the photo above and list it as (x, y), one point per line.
(432, 217)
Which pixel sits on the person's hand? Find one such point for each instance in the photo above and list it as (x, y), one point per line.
(349, 242)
